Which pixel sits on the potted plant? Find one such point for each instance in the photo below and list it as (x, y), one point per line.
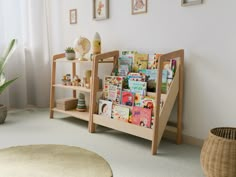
(70, 53)
(3, 83)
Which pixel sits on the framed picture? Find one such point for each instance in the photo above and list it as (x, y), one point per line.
(73, 16)
(190, 2)
(139, 6)
(100, 9)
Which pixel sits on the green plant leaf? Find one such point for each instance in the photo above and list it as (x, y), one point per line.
(11, 48)
(6, 84)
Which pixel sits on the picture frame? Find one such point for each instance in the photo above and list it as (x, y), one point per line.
(100, 9)
(185, 3)
(139, 6)
(73, 16)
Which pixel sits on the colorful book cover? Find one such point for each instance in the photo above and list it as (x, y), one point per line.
(112, 83)
(149, 103)
(151, 75)
(120, 113)
(128, 54)
(112, 92)
(138, 87)
(152, 61)
(138, 99)
(123, 70)
(137, 77)
(141, 116)
(125, 60)
(164, 85)
(140, 62)
(127, 98)
(105, 108)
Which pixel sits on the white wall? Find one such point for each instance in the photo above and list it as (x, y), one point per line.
(206, 32)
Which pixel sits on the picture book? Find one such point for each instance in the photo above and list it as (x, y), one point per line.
(125, 62)
(112, 92)
(128, 54)
(140, 62)
(152, 61)
(137, 77)
(112, 88)
(149, 103)
(127, 98)
(120, 113)
(138, 87)
(141, 116)
(105, 108)
(123, 70)
(164, 85)
(151, 75)
(138, 99)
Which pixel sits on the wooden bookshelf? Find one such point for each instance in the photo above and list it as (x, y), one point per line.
(60, 59)
(161, 114)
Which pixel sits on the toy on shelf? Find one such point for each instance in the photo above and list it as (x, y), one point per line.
(82, 46)
(66, 80)
(96, 44)
(88, 77)
(81, 106)
(76, 81)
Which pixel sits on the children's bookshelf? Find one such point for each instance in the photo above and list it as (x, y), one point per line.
(60, 59)
(161, 114)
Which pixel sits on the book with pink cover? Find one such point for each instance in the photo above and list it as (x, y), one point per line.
(141, 116)
(127, 98)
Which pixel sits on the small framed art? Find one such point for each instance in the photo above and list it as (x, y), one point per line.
(100, 9)
(190, 2)
(139, 6)
(73, 16)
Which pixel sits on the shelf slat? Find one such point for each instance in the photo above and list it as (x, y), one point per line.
(74, 113)
(72, 61)
(132, 129)
(82, 89)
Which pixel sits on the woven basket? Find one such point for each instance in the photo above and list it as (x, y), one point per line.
(218, 155)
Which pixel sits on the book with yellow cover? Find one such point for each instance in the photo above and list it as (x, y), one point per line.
(140, 62)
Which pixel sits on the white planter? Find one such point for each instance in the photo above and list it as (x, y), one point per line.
(3, 113)
(70, 56)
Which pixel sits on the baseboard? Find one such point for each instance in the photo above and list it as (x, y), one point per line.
(186, 139)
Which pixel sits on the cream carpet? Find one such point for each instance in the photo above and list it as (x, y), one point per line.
(51, 161)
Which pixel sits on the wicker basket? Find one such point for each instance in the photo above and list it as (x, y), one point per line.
(218, 155)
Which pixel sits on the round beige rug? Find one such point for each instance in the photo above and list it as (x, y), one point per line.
(52, 161)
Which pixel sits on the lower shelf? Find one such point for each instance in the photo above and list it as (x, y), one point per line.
(125, 127)
(132, 129)
(74, 113)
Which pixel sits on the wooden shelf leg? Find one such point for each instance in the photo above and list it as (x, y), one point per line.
(52, 90)
(180, 101)
(73, 75)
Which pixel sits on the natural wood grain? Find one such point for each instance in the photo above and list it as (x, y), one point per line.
(132, 129)
(97, 59)
(53, 77)
(180, 98)
(161, 115)
(74, 113)
(82, 89)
